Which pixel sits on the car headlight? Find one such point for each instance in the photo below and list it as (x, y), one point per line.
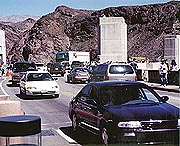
(130, 124)
(55, 87)
(30, 87)
(178, 123)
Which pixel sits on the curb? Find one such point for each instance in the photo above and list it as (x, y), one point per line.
(165, 89)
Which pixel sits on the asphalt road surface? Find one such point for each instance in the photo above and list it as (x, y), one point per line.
(54, 111)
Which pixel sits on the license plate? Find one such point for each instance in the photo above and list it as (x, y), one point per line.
(43, 91)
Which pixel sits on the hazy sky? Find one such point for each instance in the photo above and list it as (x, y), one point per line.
(42, 7)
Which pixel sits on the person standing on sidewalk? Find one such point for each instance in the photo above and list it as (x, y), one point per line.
(163, 72)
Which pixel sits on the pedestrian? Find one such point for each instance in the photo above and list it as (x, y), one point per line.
(173, 72)
(163, 72)
(173, 66)
(134, 65)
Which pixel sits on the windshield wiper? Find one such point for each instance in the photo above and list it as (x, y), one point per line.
(138, 102)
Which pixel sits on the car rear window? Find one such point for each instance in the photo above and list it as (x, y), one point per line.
(81, 70)
(121, 69)
(23, 66)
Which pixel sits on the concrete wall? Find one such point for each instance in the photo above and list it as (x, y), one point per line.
(172, 48)
(113, 39)
(2, 46)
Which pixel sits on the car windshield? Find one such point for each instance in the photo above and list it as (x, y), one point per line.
(57, 64)
(81, 70)
(120, 69)
(120, 95)
(39, 77)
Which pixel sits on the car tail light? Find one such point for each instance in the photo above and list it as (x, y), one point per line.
(76, 75)
(63, 68)
(106, 77)
(135, 78)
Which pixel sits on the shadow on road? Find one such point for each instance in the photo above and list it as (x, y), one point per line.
(82, 137)
(25, 97)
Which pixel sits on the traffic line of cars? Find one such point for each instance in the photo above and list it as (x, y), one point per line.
(118, 110)
(102, 72)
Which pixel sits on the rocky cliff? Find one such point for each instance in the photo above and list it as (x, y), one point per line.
(71, 29)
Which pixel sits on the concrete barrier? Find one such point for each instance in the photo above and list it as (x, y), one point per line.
(9, 108)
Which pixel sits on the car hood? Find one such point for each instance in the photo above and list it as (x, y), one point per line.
(42, 84)
(163, 111)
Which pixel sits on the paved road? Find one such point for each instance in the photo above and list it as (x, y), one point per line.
(56, 125)
(53, 111)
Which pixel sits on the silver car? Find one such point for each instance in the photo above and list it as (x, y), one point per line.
(113, 71)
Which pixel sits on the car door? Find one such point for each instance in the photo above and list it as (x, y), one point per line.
(81, 105)
(90, 108)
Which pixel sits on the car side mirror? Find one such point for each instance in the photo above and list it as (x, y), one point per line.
(164, 98)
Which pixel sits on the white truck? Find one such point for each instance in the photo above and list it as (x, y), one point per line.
(70, 56)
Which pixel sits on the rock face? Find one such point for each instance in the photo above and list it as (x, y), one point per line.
(71, 29)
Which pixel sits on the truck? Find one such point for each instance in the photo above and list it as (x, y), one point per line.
(68, 57)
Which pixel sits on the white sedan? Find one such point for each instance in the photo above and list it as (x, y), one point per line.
(35, 83)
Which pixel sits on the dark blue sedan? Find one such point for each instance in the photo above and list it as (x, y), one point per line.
(124, 111)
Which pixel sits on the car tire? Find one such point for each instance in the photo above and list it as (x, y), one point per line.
(56, 95)
(72, 81)
(74, 123)
(20, 91)
(14, 83)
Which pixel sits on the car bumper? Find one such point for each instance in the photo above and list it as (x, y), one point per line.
(161, 136)
(81, 79)
(42, 92)
(56, 72)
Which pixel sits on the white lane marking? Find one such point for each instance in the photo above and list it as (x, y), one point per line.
(70, 140)
(64, 124)
(2, 87)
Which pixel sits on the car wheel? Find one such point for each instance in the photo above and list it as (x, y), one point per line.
(68, 80)
(74, 122)
(104, 136)
(72, 80)
(56, 95)
(20, 90)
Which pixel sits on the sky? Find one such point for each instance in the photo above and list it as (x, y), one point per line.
(43, 7)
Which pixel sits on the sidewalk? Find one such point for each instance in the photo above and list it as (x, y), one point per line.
(169, 88)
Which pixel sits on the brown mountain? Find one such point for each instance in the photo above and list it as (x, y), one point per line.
(71, 29)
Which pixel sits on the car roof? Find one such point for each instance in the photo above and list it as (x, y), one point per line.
(37, 72)
(24, 62)
(116, 82)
